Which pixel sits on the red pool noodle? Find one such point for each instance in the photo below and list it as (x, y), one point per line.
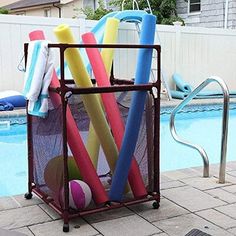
(75, 141)
(113, 113)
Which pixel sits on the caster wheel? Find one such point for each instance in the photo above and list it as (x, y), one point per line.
(155, 205)
(66, 228)
(28, 195)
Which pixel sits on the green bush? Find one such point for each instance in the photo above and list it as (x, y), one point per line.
(3, 11)
(94, 14)
(165, 10)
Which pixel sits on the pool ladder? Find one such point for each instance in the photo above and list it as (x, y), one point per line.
(224, 136)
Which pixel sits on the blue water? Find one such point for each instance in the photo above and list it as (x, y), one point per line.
(202, 128)
(13, 160)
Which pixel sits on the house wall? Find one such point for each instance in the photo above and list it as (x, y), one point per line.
(195, 53)
(67, 10)
(212, 14)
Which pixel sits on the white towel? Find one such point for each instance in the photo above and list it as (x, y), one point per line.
(38, 77)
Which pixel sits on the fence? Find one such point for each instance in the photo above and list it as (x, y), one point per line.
(193, 52)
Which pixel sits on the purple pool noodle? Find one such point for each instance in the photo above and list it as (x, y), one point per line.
(120, 176)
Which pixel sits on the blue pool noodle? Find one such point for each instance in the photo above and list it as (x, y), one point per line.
(143, 69)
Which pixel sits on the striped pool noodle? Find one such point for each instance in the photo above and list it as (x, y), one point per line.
(75, 141)
(136, 110)
(113, 113)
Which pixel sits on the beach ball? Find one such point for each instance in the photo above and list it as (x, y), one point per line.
(54, 172)
(80, 195)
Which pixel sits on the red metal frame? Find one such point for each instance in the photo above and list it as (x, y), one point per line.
(121, 85)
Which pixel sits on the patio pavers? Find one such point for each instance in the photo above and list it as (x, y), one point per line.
(24, 216)
(55, 228)
(188, 201)
(222, 195)
(167, 210)
(130, 225)
(192, 199)
(217, 218)
(181, 225)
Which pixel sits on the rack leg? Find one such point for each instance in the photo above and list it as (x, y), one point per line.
(66, 227)
(28, 195)
(156, 205)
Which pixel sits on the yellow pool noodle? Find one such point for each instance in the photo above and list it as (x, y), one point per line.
(110, 37)
(91, 101)
(93, 145)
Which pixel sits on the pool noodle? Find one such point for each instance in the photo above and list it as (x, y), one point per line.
(93, 145)
(112, 111)
(91, 101)
(74, 139)
(110, 36)
(136, 110)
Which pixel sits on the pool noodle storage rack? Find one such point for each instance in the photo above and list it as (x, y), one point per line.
(40, 139)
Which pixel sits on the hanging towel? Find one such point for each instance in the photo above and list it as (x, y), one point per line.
(38, 77)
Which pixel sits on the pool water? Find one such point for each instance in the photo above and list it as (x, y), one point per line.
(13, 160)
(202, 128)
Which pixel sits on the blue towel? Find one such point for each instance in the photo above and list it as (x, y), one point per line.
(38, 77)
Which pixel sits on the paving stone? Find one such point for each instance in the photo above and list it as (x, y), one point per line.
(5, 232)
(217, 218)
(203, 183)
(130, 225)
(230, 179)
(20, 217)
(171, 184)
(20, 199)
(8, 203)
(164, 178)
(181, 174)
(222, 195)
(191, 198)
(24, 230)
(77, 227)
(181, 225)
(231, 165)
(233, 172)
(232, 231)
(229, 210)
(166, 210)
(108, 215)
(49, 211)
(161, 234)
(231, 188)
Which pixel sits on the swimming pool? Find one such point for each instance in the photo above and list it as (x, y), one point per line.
(13, 160)
(198, 125)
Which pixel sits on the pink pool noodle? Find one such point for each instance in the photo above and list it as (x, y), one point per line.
(75, 141)
(113, 113)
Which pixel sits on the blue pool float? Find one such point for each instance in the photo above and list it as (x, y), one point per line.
(10, 97)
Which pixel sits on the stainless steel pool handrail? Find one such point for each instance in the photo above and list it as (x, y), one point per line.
(225, 118)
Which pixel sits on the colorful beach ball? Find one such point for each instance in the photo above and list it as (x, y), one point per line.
(80, 195)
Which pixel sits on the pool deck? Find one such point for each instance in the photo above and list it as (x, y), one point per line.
(188, 201)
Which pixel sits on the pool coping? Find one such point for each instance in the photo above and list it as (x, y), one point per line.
(165, 103)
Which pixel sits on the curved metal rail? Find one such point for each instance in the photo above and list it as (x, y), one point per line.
(225, 118)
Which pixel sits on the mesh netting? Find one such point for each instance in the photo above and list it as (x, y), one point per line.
(48, 143)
